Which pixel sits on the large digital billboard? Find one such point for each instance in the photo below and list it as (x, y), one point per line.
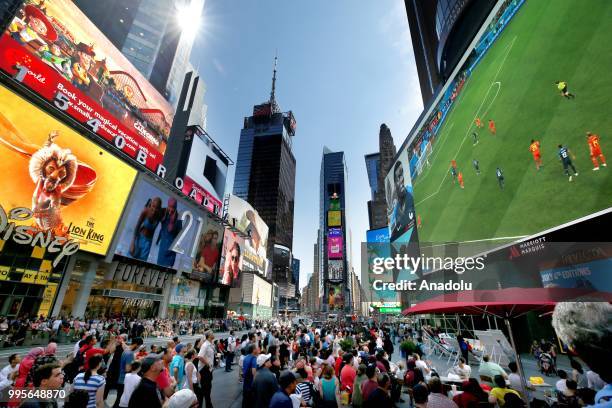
(334, 218)
(400, 201)
(54, 50)
(164, 229)
(232, 257)
(514, 150)
(186, 293)
(335, 270)
(208, 255)
(70, 187)
(334, 248)
(335, 297)
(247, 220)
(206, 170)
(378, 246)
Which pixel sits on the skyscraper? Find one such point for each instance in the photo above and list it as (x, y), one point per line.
(377, 207)
(441, 31)
(372, 164)
(265, 177)
(333, 233)
(150, 34)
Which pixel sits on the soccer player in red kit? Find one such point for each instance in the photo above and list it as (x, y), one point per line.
(534, 148)
(460, 179)
(595, 148)
(492, 127)
(478, 123)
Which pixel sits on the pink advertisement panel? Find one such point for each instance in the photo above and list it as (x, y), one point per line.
(334, 247)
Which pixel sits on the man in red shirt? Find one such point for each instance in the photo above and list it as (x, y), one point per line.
(88, 350)
(348, 373)
(165, 382)
(369, 385)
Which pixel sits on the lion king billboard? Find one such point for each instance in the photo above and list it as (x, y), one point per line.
(56, 186)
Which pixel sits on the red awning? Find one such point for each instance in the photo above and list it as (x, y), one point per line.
(510, 302)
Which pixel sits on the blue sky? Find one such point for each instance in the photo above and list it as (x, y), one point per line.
(345, 67)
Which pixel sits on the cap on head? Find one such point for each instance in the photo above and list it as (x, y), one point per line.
(262, 358)
(148, 362)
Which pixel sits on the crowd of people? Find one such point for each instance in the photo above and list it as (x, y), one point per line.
(16, 331)
(330, 365)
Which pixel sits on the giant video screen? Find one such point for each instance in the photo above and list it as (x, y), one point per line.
(248, 221)
(56, 51)
(162, 228)
(516, 144)
(67, 187)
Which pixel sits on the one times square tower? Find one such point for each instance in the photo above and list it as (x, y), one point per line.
(265, 177)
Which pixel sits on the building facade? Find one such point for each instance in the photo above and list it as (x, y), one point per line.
(441, 31)
(150, 35)
(334, 285)
(265, 177)
(377, 207)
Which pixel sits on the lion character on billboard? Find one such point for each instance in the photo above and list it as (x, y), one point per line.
(53, 171)
(59, 178)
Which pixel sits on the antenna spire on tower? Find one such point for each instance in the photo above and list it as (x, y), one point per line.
(272, 94)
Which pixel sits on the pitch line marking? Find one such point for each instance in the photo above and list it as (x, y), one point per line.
(501, 65)
(434, 154)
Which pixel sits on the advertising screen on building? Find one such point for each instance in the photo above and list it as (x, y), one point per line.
(335, 297)
(335, 269)
(334, 232)
(208, 255)
(378, 246)
(400, 201)
(230, 272)
(334, 202)
(475, 179)
(206, 170)
(54, 50)
(249, 222)
(70, 188)
(334, 218)
(334, 248)
(262, 292)
(186, 293)
(161, 228)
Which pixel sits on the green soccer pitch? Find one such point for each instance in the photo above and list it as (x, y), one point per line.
(514, 84)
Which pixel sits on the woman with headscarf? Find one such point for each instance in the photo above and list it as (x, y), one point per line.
(26, 366)
(48, 356)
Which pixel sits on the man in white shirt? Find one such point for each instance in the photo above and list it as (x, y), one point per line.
(56, 324)
(207, 364)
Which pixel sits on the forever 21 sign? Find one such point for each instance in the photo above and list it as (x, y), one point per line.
(139, 275)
